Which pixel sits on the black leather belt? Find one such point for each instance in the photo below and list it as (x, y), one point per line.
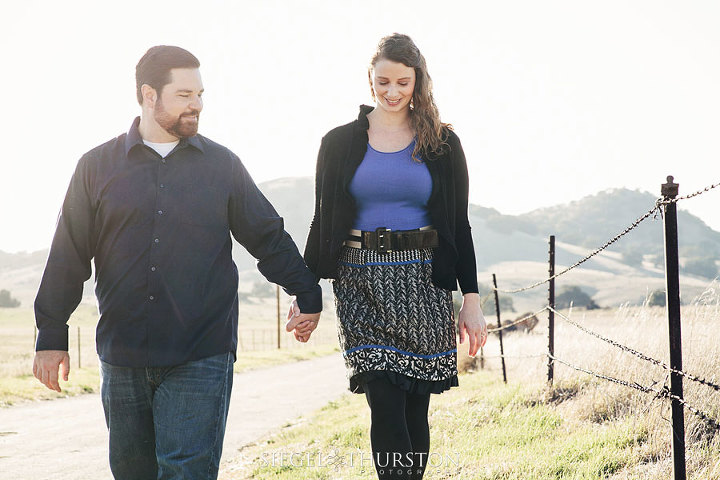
(384, 240)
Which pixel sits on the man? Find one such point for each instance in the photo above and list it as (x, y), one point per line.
(155, 209)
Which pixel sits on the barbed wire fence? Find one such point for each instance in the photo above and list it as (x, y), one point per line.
(663, 207)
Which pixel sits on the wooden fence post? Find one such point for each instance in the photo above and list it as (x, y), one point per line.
(499, 326)
(551, 313)
(277, 290)
(672, 294)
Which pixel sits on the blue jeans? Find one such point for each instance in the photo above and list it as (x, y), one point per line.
(167, 422)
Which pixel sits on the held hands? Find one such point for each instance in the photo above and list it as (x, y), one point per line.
(471, 322)
(301, 324)
(46, 365)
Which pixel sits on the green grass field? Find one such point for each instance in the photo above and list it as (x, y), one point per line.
(485, 430)
(582, 428)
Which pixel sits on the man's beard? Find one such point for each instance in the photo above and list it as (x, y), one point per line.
(182, 126)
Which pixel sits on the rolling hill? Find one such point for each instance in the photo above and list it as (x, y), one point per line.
(512, 246)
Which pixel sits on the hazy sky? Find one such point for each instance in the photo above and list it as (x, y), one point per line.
(553, 100)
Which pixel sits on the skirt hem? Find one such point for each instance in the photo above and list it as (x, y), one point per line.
(409, 384)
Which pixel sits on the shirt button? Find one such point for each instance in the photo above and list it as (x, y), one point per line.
(157, 240)
(163, 161)
(160, 212)
(152, 269)
(152, 297)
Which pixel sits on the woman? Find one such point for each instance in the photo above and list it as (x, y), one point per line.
(391, 229)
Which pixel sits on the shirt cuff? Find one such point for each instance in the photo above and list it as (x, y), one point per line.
(310, 302)
(52, 339)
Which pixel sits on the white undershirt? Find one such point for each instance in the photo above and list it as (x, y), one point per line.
(162, 148)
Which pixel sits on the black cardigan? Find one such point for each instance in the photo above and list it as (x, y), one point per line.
(341, 152)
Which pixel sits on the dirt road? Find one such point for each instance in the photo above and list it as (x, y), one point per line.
(67, 440)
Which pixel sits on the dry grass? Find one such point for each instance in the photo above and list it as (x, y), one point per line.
(582, 398)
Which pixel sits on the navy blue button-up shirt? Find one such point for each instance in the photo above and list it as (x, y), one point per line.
(159, 232)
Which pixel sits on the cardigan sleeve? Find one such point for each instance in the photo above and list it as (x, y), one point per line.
(465, 267)
(314, 239)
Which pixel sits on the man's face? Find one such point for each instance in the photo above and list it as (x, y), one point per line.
(177, 109)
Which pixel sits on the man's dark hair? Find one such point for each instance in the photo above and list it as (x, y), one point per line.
(154, 67)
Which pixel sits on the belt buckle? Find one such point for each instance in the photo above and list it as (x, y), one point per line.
(383, 240)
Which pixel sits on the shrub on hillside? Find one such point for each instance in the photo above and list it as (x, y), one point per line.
(7, 300)
(575, 295)
(656, 298)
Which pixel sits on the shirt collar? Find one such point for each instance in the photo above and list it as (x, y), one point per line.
(133, 138)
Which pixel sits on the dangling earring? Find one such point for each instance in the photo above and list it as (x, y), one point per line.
(412, 103)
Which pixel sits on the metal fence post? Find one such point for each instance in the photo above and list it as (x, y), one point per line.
(669, 191)
(499, 326)
(79, 360)
(551, 313)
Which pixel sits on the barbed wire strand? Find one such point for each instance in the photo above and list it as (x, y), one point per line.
(624, 383)
(663, 393)
(515, 322)
(487, 297)
(658, 203)
(642, 356)
(694, 194)
(516, 356)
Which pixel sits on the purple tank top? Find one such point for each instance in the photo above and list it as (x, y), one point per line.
(391, 190)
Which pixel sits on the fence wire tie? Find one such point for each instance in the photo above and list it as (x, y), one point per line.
(642, 356)
(659, 210)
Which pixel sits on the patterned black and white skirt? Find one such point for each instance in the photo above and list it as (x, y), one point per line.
(393, 322)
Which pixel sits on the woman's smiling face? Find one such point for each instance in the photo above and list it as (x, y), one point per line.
(393, 84)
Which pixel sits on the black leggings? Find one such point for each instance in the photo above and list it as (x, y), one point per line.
(399, 431)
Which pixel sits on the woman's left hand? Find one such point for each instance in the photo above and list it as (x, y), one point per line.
(471, 322)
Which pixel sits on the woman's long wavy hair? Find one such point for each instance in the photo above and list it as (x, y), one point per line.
(430, 132)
